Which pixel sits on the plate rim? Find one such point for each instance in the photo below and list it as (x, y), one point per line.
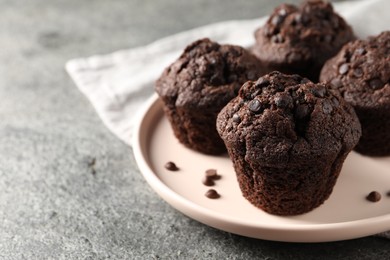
(316, 232)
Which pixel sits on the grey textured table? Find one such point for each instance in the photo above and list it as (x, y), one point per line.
(69, 189)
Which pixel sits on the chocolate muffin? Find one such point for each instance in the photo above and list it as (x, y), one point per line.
(198, 85)
(298, 40)
(361, 71)
(288, 139)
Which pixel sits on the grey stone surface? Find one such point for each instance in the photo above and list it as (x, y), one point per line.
(69, 189)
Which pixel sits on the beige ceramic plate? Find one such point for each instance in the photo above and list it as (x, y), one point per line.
(345, 215)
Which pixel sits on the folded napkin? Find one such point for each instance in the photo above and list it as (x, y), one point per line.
(118, 84)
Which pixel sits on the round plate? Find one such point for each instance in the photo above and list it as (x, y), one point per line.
(345, 215)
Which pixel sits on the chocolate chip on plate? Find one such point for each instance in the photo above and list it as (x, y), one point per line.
(212, 194)
(171, 166)
(374, 196)
(207, 181)
(212, 173)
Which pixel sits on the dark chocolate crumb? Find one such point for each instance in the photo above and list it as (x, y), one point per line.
(208, 181)
(375, 83)
(254, 106)
(236, 118)
(171, 166)
(343, 69)
(212, 194)
(374, 196)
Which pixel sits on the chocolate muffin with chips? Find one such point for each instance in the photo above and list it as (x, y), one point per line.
(288, 139)
(361, 71)
(298, 40)
(198, 85)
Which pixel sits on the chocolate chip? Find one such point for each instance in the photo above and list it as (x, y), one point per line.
(254, 106)
(171, 166)
(236, 118)
(335, 102)
(336, 83)
(207, 181)
(298, 18)
(327, 107)
(305, 80)
(283, 100)
(212, 194)
(262, 82)
(375, 83)
(358, 72)
(277, 19)
(360, 51)
(282, 12)
(211, 172)
(343, 68)
(388, 194)
(301, 111)
(374, 196)
(319, 91)
(277, 38)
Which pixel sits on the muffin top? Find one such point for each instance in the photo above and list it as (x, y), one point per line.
(309, 32)
(281, 119)
(361, 71)
(207, 75)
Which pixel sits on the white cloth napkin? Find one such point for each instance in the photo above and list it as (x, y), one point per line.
(118, 84)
